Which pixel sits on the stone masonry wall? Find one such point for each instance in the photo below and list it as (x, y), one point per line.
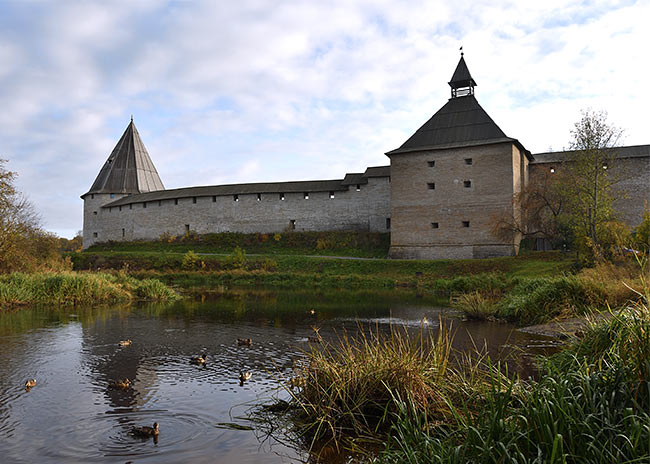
(366, 209)
(631, 188)
(494, 174)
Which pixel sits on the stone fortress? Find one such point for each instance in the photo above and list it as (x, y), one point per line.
(437, 197)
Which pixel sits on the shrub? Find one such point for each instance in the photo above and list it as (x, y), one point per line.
(192, 261)
(235, 260)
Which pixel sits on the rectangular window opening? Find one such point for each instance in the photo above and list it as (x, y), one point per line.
(123, 232)
(159, 202)
(95, 234)
(130, 205)
(92, 196)
(306, 195)
(358, 187)
(467, 183)
(434, 225)
(193, 199)
(235, 197)
(468, 161)
(120, 208)
(259, 197)
(331, 195)
(387, 223)
(175, 201)
(465, 223)
(431, 185)
(187, 228)
(292, 224)
(95, 213)
(282, 196)
(431, 163)
(214, 198)
(144, 204)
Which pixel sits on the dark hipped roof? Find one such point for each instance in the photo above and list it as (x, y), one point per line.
(308, 186)
(128, 169)
(634, 151)
(461, 77)
(461, 122)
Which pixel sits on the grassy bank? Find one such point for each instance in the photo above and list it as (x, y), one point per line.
(536, 300)
(591, 402)
(70, 288)
(359, 244)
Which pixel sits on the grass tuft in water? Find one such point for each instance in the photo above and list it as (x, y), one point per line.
(353, 388)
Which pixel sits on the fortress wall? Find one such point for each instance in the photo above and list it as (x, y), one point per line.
(414, 206)
(631, 188)
(366, 210)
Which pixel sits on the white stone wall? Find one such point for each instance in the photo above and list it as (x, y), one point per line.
(366, 209)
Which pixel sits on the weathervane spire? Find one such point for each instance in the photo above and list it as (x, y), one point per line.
(461, 51)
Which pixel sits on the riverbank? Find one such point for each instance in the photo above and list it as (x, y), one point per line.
(529, 289)
(73, 288)
(590, 402)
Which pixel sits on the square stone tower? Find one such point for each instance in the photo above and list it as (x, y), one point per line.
(451, 178)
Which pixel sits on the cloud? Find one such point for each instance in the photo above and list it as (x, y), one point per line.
(240, 91)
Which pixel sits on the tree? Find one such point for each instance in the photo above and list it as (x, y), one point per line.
(537, 212)
(586, 176)
(23, 243)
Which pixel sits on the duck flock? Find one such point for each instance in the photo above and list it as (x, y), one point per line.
(201, 360)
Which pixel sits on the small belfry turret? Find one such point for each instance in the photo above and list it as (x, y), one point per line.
(128, 170)
(461, 82)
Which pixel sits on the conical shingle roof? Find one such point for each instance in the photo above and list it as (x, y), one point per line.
(128, 169)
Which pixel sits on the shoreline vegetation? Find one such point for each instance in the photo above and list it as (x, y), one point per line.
(417, 401)
(64, 288)
(532, 288)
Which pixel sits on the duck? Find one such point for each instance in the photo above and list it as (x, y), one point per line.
(199, 360)
(120, 384)
(145, 431)
(30, 383)
(244, 376)
(245, 341)
(125, 342)
(296, 382)
(316, 339)
(312, 311)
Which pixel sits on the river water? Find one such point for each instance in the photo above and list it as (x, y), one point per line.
(204, 412)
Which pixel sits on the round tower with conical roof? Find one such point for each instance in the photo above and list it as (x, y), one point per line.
(128, 170)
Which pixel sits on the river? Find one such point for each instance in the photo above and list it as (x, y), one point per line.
(204, 412)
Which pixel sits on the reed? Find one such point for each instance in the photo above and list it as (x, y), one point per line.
(70, 288)
(352, 388)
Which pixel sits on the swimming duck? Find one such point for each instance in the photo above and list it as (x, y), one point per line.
(245, 341)
(120, 384)
(30, 383)
(295, 382)
(244, 376)
(145, 431)
(199, 360)
(125, 342)
(312, 311)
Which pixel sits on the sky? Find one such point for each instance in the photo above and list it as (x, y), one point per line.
(250, 91)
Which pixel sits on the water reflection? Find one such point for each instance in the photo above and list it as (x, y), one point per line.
(72, 415)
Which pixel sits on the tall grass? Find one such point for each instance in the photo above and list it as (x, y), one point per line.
(352, 388)
(69, 288)
(591, 405)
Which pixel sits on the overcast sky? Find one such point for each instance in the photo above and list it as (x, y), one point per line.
(246, 91)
